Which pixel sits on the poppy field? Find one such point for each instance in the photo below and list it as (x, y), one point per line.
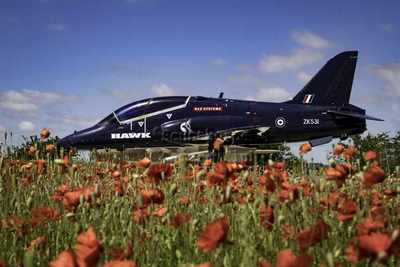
(57, 209)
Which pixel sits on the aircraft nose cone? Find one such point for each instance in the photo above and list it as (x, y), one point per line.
(67, 141)
(82, 138)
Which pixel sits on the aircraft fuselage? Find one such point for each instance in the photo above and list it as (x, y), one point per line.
(192, 121)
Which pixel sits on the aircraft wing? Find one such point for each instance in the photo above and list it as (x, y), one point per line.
(237, 132)
(354, 115)
(259, 130)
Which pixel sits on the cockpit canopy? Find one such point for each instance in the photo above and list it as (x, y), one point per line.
(149, 106)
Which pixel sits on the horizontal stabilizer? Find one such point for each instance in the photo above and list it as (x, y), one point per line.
(354, 115)
(320, 141)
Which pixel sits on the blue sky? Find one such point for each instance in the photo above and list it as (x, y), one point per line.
(65, 64)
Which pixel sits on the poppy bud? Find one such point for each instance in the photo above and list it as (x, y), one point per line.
(44, 133)
(50, 148)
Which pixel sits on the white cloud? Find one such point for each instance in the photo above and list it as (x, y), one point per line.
(121, 95)
(218, 62)
(309, 39)
(2, 128)
(29, 100)
(390, 74)
(162, 90)
(297, 59)
(57, 27)
(26, 126)
(79, 121)
(273, 94)
(303, 76)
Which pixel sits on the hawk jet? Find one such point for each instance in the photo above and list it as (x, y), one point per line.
(318, 113)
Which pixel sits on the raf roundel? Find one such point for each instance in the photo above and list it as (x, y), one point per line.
(280, 122)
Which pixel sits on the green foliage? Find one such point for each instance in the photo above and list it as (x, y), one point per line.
(387, 147)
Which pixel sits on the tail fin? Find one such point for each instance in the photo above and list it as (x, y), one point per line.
(332, 84)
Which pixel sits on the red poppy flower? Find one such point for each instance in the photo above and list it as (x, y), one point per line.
(374, 243)
(66, 160)
(152, 196)
(378, 213)
(231, 167)
(313, 235)
(118, 253)
(213, 234)
(370, 155)
(41, 166)
(32, 151)
(179, 219)
(184, 200)
(221, 168)
(87, 249)
(339, 148)
(59, 193)
(347, 208)
(369, 225)
(351, 254)
(375, 199)
(206, 264)
(120, 263)
(214, 178)
(390, 192)
(333, 174)
(349, 152)
(143, 163)
(43, 214)
(267, 183)
(332, 199)
(344, 168)
(116, 174)
(279, 165)
(159, 171)
(264, 263)
(338, 174)
(267, 216)
(118, 187)
(304, 149)
(64, 259)
(284, 195)
(44, 133)
(241, 199)
(160, 212)
(71, 199)
(140, 215)
(50, 148)
(373, 175)
(203, 200)
(207, 162)
(286, 258)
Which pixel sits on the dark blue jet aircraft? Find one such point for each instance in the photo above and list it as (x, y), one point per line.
(318, 113)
